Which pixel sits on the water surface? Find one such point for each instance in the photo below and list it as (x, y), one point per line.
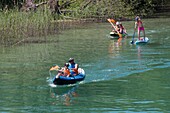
(120, 77)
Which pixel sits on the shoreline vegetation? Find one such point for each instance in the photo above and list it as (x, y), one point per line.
(31, 21)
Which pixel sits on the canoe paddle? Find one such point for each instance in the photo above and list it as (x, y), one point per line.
(114, 21)
(111, 22)
(55, 67)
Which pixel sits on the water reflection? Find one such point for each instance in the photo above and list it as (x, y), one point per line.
(115, 46)
(64, 95)
(139, 52)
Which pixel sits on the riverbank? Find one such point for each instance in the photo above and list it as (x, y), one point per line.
(33, 27)
(28, 27)
(54, 28)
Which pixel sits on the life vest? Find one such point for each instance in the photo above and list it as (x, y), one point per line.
(66, 72)
(71, 65)
(121, 29)
(72, 68)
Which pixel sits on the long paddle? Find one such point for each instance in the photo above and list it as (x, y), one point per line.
(132, 42)
(111, 22)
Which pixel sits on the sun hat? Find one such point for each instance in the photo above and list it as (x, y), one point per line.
(117, 23)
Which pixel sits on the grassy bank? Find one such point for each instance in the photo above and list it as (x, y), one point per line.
(15, 26)
(31, 27)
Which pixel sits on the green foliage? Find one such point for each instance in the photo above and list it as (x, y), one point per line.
(10, 4)
(100, 8)
(113, 8)
(143, 7)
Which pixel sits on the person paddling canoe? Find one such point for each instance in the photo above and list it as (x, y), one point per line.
(73, 67)
(64, 71)
(120, 28)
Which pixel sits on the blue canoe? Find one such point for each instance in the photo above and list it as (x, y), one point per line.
(62, 80)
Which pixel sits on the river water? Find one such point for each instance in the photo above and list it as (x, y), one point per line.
(120, 77)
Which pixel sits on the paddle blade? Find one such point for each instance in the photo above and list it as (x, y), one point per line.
(55, 68)
(132, 42)
(113, 21)
(109, 20)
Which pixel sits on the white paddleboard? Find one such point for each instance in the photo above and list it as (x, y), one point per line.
(142, 40)
(114, 35)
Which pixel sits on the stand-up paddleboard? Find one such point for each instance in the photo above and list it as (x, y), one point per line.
(114, 35)
(142, 41)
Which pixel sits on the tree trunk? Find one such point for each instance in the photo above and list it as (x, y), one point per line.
(54, 6)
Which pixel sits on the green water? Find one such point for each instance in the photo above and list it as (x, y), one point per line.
(120, 77)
